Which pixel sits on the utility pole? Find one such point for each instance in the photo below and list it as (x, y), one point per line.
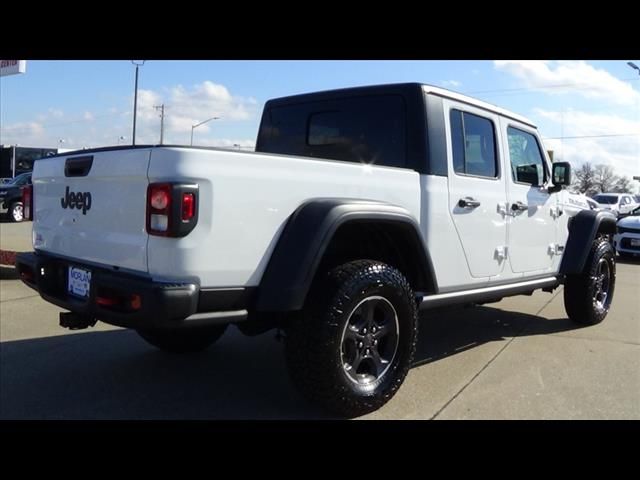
(161, 108)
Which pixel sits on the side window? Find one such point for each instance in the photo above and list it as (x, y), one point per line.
(474, 145)
(323, 129)
(527, 162)
(368, 129)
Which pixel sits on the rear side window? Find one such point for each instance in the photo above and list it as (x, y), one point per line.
(474, 145)
(369, 129)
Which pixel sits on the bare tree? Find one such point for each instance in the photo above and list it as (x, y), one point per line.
(584, 180)
(605, 179)
(592, 180)
(623, 185)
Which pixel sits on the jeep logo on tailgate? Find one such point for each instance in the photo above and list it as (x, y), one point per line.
(80, 200)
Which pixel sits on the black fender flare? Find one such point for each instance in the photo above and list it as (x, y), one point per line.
(304, 239)
(583, 229)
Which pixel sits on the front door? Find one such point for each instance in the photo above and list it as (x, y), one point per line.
(532, 209)
(477, 192)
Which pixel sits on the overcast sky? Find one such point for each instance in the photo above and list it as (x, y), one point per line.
(585, 110)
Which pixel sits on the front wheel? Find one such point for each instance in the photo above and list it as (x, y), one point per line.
(588, 296)
(355, 342)
(183, 340)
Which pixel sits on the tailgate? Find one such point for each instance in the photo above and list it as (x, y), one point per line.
(92, 207)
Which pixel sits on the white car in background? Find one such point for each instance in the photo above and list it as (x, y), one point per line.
(627, 239)
(618, 203)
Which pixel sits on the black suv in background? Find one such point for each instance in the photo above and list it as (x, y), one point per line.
(11, 197)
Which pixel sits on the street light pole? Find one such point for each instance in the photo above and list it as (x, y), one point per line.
(135, 101)
(193, 127)
(635, 67)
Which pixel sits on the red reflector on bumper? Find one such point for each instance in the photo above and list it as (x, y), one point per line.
(135, 302)
(26, 275)
(107, 301)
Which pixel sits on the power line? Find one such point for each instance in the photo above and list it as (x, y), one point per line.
(594, 136)
(542, 87)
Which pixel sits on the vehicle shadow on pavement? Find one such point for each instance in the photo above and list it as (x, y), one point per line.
(4, 218)
(116, 375)
(443, 334)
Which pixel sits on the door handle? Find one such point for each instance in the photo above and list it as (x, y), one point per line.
(468, 202)
(519, 207)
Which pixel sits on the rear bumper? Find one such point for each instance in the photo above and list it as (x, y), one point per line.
(158, 304)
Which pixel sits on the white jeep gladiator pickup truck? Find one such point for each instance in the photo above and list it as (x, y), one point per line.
(359, 208)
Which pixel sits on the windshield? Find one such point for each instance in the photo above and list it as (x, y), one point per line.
(607, 199)
(19, 180)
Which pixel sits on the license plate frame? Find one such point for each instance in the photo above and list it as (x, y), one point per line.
(78, 282)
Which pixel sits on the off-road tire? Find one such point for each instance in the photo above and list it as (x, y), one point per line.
(583, 298)
(315, 342)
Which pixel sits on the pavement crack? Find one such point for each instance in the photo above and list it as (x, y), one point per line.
(594, 339)
(20, 298)
(472, 379)
(517, 335)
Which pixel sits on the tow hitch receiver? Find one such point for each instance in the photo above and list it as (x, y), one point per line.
(76, 321)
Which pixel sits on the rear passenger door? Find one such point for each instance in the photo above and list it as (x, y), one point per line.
(533, 211)
(477, 192)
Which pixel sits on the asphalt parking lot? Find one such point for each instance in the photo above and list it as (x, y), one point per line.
(520, 358)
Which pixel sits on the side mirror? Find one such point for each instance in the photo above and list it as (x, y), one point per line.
(560, 175)
(527, 174)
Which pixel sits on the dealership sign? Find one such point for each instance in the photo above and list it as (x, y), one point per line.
(11, 67)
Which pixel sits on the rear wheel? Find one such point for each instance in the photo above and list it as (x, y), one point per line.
(183, 340)
(588, 296)
(16, 212)
(354, 344)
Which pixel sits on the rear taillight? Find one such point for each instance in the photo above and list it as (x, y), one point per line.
(171, 209)
(159, 209)
(188, 206)
(27, 202)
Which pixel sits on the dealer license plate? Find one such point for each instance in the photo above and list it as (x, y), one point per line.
(79, 282)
